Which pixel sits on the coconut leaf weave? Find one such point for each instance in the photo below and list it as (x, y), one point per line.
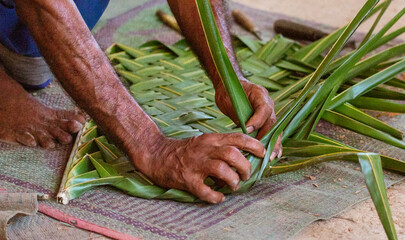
(172, 87)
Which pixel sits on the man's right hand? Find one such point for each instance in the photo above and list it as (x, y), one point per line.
(184, 164)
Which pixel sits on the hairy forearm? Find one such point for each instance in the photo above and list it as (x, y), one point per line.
(85, 73)
(186, 14)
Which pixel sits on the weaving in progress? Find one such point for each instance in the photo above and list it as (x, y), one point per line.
(179, 122)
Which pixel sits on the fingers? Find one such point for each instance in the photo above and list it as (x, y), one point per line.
(221, 170)
(80, 118)
(263, 107)
(205, 193)
(26, 138)
(71, 126)
(279, 147)
(62, 136)
(234, 158)
(240, 141)
(266, 126)
(72, 115)
(259, 118)
(45, 140)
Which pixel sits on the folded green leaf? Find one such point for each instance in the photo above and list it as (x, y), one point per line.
(239, 100)
(371, 167)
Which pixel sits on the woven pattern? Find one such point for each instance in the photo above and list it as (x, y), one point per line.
(171, 86)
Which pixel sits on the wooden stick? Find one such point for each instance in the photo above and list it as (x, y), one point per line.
(245, 22)
(297, 31)
(169, 20)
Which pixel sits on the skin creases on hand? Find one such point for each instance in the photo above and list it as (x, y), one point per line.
(184, 164)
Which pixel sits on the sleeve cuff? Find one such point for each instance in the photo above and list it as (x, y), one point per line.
(7, 3)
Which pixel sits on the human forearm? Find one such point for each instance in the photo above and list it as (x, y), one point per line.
(187, 16)
(79, 64)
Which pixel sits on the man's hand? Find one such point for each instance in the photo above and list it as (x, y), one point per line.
(187, 16)
(263, 117)
(184, 164)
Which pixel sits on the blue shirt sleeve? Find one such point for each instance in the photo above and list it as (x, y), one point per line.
(15, 36)
(7, 3)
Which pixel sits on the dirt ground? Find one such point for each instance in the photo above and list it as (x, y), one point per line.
(361, 221)
(334, 13)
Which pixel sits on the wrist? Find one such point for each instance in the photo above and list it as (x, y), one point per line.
(145, 148)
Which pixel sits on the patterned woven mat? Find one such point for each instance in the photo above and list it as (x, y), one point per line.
(277, 207)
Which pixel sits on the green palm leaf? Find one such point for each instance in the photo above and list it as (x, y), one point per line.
(371, 167)
(224, 67)
(281, 124)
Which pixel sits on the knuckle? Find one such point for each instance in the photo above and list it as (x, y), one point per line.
(271, 103)
(244, 140)
(267, 108)
(231, 153)
(239, 136)
(272, 120)
(202, 192)
(201, 137)
(219, 167)
(192, 185)
(273, 115)
(247, 141)
(262, 90)
(257, 146)
(208, 137)
(231, 137)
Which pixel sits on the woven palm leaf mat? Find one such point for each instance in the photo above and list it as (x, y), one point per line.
(277, 207)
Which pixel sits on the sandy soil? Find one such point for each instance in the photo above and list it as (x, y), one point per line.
(361, 221)
(330, 12)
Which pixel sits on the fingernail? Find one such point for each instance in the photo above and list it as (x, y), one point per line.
(264, 151)
(223, 199)
(280, 153)
(250, 129)
(32, 144)
(272, 156)
(51, 145)
(235, 185)
(76, 126)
